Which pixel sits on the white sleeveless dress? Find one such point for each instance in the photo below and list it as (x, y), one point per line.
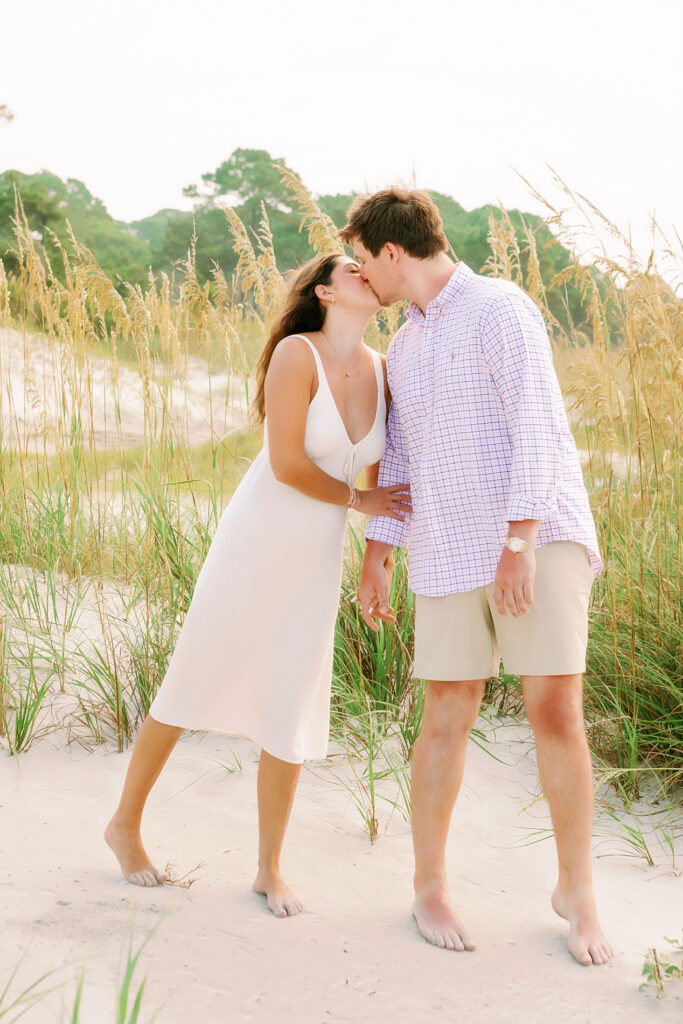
(254, 655)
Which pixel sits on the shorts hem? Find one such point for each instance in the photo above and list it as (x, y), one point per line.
(544, 670)
(450, 676)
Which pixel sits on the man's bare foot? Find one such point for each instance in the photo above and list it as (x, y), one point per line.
(280, 898)
(135, 865)
(437, 921)
(586, 943)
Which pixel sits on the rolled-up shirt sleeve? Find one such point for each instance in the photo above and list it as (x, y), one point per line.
(393, 470)
(517, 351)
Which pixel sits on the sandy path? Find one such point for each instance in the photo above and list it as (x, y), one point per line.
(355, 954)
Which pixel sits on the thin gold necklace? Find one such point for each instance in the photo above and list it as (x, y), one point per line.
(347, 373)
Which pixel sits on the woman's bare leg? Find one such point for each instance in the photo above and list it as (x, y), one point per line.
(152, 748)
(276, 786)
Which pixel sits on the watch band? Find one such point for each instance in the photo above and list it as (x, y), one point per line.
(517, 544)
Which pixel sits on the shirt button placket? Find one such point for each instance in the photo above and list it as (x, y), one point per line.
(431, 339)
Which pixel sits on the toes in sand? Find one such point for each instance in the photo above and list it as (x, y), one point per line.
(279, 897)
(438, 923)
(586, 941)
(135, 865)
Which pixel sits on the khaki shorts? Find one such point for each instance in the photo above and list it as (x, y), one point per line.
(463, 636)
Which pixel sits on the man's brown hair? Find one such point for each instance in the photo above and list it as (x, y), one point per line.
(408, 218)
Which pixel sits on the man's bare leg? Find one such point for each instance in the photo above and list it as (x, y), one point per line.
(438, 760)
(152, 748)
(276, 786)
(555, 709)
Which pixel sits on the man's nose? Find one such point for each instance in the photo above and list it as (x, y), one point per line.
(363, 275)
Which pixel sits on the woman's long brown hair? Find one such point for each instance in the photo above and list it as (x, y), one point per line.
(301, 312)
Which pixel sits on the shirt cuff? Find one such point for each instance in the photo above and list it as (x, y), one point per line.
(521, 507)
(388, 531)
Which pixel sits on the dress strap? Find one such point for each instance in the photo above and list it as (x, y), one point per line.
(379, 375)
(316, 354)
(322, 376)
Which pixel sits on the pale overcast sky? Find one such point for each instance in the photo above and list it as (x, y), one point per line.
(140, 97)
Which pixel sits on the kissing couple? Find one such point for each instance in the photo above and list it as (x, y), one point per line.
(468, 461)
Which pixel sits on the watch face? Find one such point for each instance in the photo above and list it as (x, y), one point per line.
(515, 544)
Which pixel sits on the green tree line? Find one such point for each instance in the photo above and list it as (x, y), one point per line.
(246, 181)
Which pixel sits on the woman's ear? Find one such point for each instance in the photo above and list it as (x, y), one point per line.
(324, 293)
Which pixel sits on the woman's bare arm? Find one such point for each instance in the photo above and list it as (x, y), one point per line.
(371, 475)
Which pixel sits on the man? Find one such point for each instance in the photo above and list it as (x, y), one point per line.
(503, 547)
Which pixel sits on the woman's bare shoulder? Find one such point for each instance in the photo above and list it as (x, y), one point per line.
(293, 350)
(292, 366)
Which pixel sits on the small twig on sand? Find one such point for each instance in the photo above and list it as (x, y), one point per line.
(183, 881)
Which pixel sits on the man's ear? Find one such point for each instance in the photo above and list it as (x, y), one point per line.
(394, 251)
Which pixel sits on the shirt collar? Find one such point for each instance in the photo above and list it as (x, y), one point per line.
(451, 291)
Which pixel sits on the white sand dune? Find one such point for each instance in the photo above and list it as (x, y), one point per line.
(621, 465)
(40, 387)
(355, 954)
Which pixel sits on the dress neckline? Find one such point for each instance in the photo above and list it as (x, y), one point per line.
(321, 372)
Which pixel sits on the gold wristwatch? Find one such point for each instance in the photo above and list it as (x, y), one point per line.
(516, 544)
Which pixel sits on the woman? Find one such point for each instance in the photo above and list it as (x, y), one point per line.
(254, 656)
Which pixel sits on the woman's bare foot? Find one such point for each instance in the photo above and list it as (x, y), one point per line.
(586, 943)
(437, 921)
(135, 865)
(280, 898)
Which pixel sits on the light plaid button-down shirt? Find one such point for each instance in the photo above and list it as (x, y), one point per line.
(478, 428)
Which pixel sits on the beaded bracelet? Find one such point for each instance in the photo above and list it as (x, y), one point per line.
(352, 498)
